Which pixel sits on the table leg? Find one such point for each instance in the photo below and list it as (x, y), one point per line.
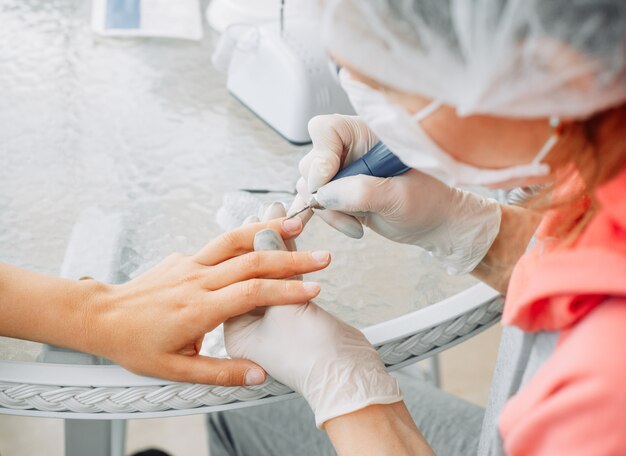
(435, 370)
(87, 437)
(95, 437)
(95, 250)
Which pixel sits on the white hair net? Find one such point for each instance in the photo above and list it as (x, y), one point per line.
(514, 58)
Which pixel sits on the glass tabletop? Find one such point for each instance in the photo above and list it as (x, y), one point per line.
(145, 128)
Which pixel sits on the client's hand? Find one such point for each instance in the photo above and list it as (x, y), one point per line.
(327, 361)
(154, 324)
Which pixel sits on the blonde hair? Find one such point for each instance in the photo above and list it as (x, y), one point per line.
(592, 151)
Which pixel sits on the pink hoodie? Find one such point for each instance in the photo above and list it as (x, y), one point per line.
(576, 403)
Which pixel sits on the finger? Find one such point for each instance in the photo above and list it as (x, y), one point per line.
(241, 240)
(268, 240)
(322, 169)
(242, 297)
(271, 264)
(213, 371)
(303, 190)
(274, 211)
(300, 202)
(297, 205)
(337, 141)
(355, 194)
(326, 141)
(262, 208)
(344, 223)
(304, 165)
(291, 245)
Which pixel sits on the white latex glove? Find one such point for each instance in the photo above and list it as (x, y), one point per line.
(455, 226)
(330, 363)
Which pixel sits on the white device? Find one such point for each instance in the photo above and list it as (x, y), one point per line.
(282, 74)
(222, 13)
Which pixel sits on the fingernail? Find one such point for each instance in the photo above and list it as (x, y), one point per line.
(292, 225)
(275, 210)
(312, 288)
(321, 256)
(254, 377)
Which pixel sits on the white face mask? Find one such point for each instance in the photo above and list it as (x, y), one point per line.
(404, 135)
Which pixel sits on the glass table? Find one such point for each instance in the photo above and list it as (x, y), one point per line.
(142, 136)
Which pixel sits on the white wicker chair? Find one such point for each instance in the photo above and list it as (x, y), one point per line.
(110, 392)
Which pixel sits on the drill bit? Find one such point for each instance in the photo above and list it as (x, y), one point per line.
(305, 208)
(312, 204)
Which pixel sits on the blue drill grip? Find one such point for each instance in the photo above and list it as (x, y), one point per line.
(379, 161)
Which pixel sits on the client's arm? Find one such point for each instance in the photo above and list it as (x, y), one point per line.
(154, 324)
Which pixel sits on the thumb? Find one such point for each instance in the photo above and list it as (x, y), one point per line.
(344, 223)
(355, 194)
(213, 371)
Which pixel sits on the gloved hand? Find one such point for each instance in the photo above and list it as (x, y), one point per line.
(330, 363)
(455, 226)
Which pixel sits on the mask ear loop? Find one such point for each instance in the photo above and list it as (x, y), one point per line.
(555, 124)
(427, 110)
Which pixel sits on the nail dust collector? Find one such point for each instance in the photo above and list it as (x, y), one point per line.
(281, 74)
